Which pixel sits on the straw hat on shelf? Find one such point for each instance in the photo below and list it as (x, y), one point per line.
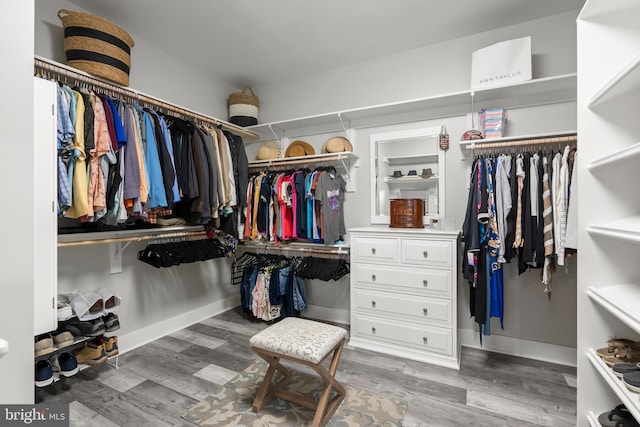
(299, 148)
(337, 144)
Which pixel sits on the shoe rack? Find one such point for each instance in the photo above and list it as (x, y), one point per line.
(608, 199)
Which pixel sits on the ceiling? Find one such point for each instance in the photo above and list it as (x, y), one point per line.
(257, 42)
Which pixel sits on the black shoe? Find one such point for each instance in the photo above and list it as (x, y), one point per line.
(83, 328)
(111, 322)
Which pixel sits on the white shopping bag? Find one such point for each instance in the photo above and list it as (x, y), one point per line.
(501, 64)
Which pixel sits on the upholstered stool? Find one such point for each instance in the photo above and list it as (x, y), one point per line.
(307, 342)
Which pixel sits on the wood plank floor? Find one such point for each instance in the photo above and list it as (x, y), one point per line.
(156, 383)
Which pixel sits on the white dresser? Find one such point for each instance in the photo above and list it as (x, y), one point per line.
(403, 293)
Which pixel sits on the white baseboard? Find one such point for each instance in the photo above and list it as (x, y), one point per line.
(143, 336)
(519, 347)
(329, 314)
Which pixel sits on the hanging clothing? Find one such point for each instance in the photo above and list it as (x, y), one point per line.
(511, 212)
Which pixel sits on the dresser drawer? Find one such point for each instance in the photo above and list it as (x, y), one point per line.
(432, 282)
(434, 253)
(432, 310)
(427, 338)
(374, 249)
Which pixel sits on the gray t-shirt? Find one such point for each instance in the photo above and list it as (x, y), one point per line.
(330, 192)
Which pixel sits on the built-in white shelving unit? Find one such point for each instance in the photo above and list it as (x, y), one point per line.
(626, 154)
(533, 92)
(609, 223)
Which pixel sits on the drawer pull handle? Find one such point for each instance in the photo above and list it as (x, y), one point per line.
(373, 277)
(425, 340)
(373, 304)
(425, 283)
(425, 311)
(425, 254)
(373, 251)
(373, 331)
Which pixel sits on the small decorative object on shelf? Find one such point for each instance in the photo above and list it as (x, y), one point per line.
(444, 142)
(493, 122)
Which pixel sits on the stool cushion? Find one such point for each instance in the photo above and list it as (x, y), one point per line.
(299, 338)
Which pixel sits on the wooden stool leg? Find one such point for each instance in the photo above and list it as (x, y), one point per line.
(264, 394)
(325, 408)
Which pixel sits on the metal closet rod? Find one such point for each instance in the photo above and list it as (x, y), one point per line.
(300, 162)
(566, 139)
(306, 249)
(63, 73)
(166, 236)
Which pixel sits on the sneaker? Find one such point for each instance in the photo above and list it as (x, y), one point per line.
(63, 339)
(83, 328)
(65, 364)
(111, 322)
(111, 346)
(111, 300)
(92, 354)
(87, 305)
(44, 373)
(65, 312)
(44, 345)
(622, 368)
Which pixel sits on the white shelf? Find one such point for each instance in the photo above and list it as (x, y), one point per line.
(546, 90)
(403, 160)
(417, 180)
(627, 229)
(549, 89)
(629, 398)
(593, 9)
(627, 80)
(613, 159)
(593, 419)
(620, 300)
(477, 143)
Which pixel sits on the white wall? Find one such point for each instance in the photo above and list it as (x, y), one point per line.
(534, 326)
(154, 301)
(153, 71)
(152, 296)
(417, 73)
(16, 173)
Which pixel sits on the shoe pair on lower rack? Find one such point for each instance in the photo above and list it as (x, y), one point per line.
(48, 343)
(630, 375)
(98, 350)
(65, 364)
(618, 417)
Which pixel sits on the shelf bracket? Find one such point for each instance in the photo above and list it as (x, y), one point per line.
(274, 134)
(344, 165)
(115, 251)
(344, 128)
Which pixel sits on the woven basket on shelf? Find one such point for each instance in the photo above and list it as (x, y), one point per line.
(243, 108)
(97, 46)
